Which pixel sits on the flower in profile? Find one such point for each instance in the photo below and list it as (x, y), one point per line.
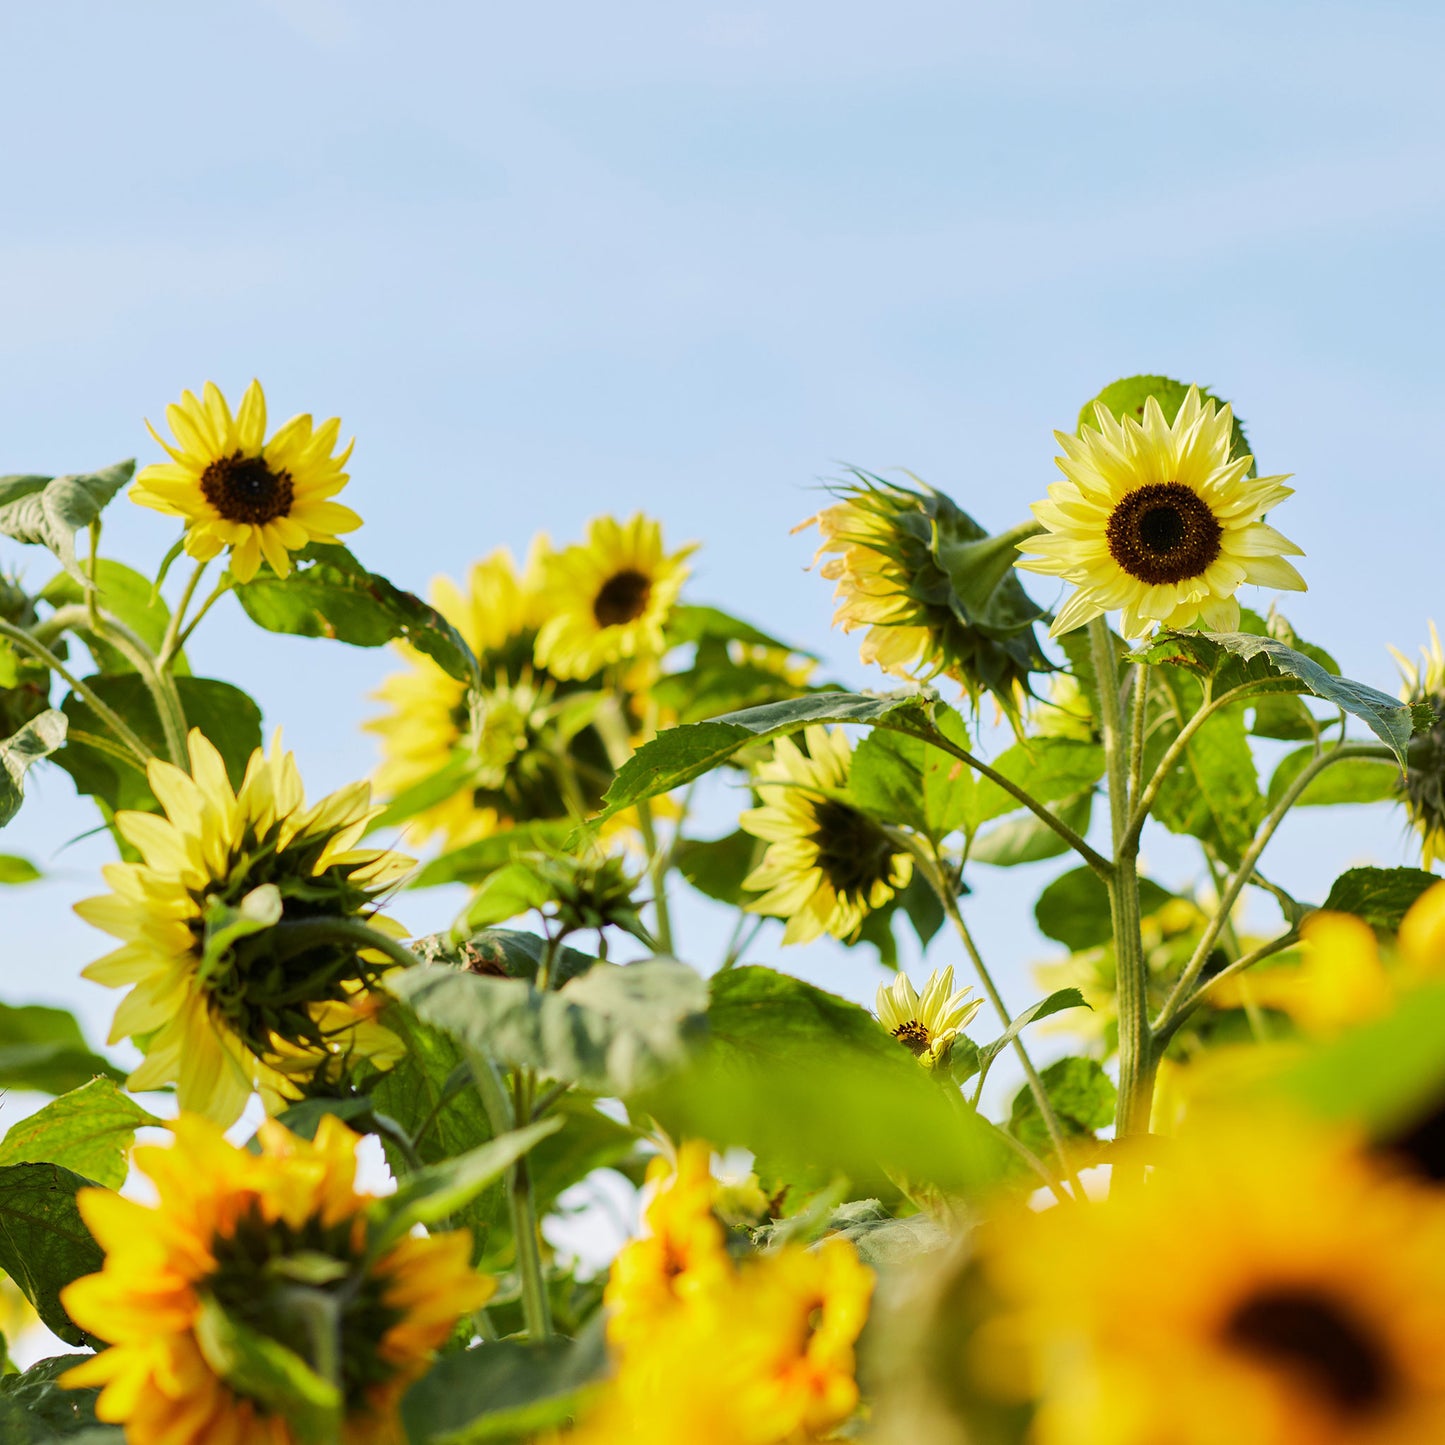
(241, 1240)
(1159, 520)
(927, 1024)
(236, 489)
(1270, 1285)
(504, 748)
(221, 999)
(1424, 782)
(935, 591)
(828, 864)
(609, 597)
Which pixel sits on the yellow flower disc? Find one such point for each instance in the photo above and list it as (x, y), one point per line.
(236, 489)
(1158, 521)
(927, 1024)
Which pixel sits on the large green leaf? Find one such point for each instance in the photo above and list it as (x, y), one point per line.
(43, 1049)
(886, 779)
(50, 510)
(1351, 780)
(612, 1030)
(883, 1240)
(44, 1243)
(1050, 769)
(1030, 839)
(1081, 1095)
(330, 594)
(502, 953)
(37, 739)
(1074, 908)
(89, 1130)
(680, 754)
(716, 867)
(35, 1410)
(1381, 896)
(1056, 1002)
(128, 596)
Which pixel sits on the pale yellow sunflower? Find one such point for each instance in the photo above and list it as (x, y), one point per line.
(225, 1226)
(220, 1000)
(236, 489)
(1269, 1285)
(1424, 783)
(1159, 521)
(828, 864)
(927, 1024)
(608, 598)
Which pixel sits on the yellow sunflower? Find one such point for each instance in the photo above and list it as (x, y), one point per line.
(927, 1024)
(609, 598)
(218, 1241)
(236, 489)
(1424, 783)
(1159, 521)
(1268, 1286)
(827, 865)
(221, 1000)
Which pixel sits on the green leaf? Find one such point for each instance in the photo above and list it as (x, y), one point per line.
(716, 867)
(474, 862)
(330, 594)
(1030, 839)
(1082, 1096)
(1127, 397)
(612, 1030)
(886, 780)
(503, 1391)
(510, 892)
(502, 953)
(1056, 1002)
(1074, 908)
(44, 1243)
(1051, 769)
(883, 1241)
(35, 1410)
(15, 869)
(1381, 896)
(680, 754)
(710, 624)
(43, 1049)
(37, 739)
(127, 596)
(50, 510)
(1351, 780)
(89, 1131)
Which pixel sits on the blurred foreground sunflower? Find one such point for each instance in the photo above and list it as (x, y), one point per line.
(1159, 520)
(224, 997)
(276, 1245)
(236, 489)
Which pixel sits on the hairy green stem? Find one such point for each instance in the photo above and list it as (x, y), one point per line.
(1167, 1025)
(223, 585)
(170, 643)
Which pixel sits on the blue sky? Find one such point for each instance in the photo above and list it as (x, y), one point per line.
(546, 261)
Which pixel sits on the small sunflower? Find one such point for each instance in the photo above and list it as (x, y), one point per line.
(1269, 1285)
(246, 1234)
(1160, 521)
(926, 1025)
(1424, 782)
(828, 865)
(609, 598)
(219, 1001)
(236, 489)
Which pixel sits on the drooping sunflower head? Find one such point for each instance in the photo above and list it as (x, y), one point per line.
(1267, 1276)
(935, 591)
(926, 1024)
(609, 597)
(234, 984)
(1160, 520)
(272, 1243)
(1424, 782)
(236, 488)
(828, 864)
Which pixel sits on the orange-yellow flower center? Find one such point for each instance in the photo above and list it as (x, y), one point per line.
(245, 489)
(914, 1037)
(622, 598)
(1163, 532)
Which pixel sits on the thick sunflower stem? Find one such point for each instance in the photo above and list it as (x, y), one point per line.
(1136, 1041)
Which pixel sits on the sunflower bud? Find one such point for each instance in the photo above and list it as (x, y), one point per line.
(936, 592)
(1424, 784)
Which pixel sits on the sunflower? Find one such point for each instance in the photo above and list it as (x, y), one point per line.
(1159, 520)
(609, 598)
(221, 1001)
(926, 1025)
(827, 865)
(1270, 1285)
(236, 489)
(1424, 782)
(246, 1238)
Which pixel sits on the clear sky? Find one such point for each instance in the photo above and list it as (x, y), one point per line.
(546, 260)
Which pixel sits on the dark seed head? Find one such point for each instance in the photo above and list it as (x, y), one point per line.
(1163, 532)
(245, 489)
(914, 1037)
(854, 854)
(623, 598)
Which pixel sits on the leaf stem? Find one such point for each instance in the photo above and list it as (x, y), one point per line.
(224, 583)
(170, 644)
(1248, 960)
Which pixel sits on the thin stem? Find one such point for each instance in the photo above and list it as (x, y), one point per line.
(741, 942)
(170, 643)
(107, 715)
(1248, 960)
(1245, 871)
(1095, 860)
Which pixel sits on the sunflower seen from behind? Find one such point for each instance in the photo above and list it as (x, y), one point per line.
(828, 865)
(1160, 521)
(273, 1242)
(222, 1000)
(1423, 786)
(236, 488)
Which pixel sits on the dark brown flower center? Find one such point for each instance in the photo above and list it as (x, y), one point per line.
(1163, 532)
(914, 1037)
(853, 852)
(245, 489)
(623, 598)
(1321, 1344)
(1420, 1146)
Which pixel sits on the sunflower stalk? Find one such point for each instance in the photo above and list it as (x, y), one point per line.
(170, 644)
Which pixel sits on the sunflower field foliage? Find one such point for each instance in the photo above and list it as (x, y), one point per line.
(1194, 1194)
